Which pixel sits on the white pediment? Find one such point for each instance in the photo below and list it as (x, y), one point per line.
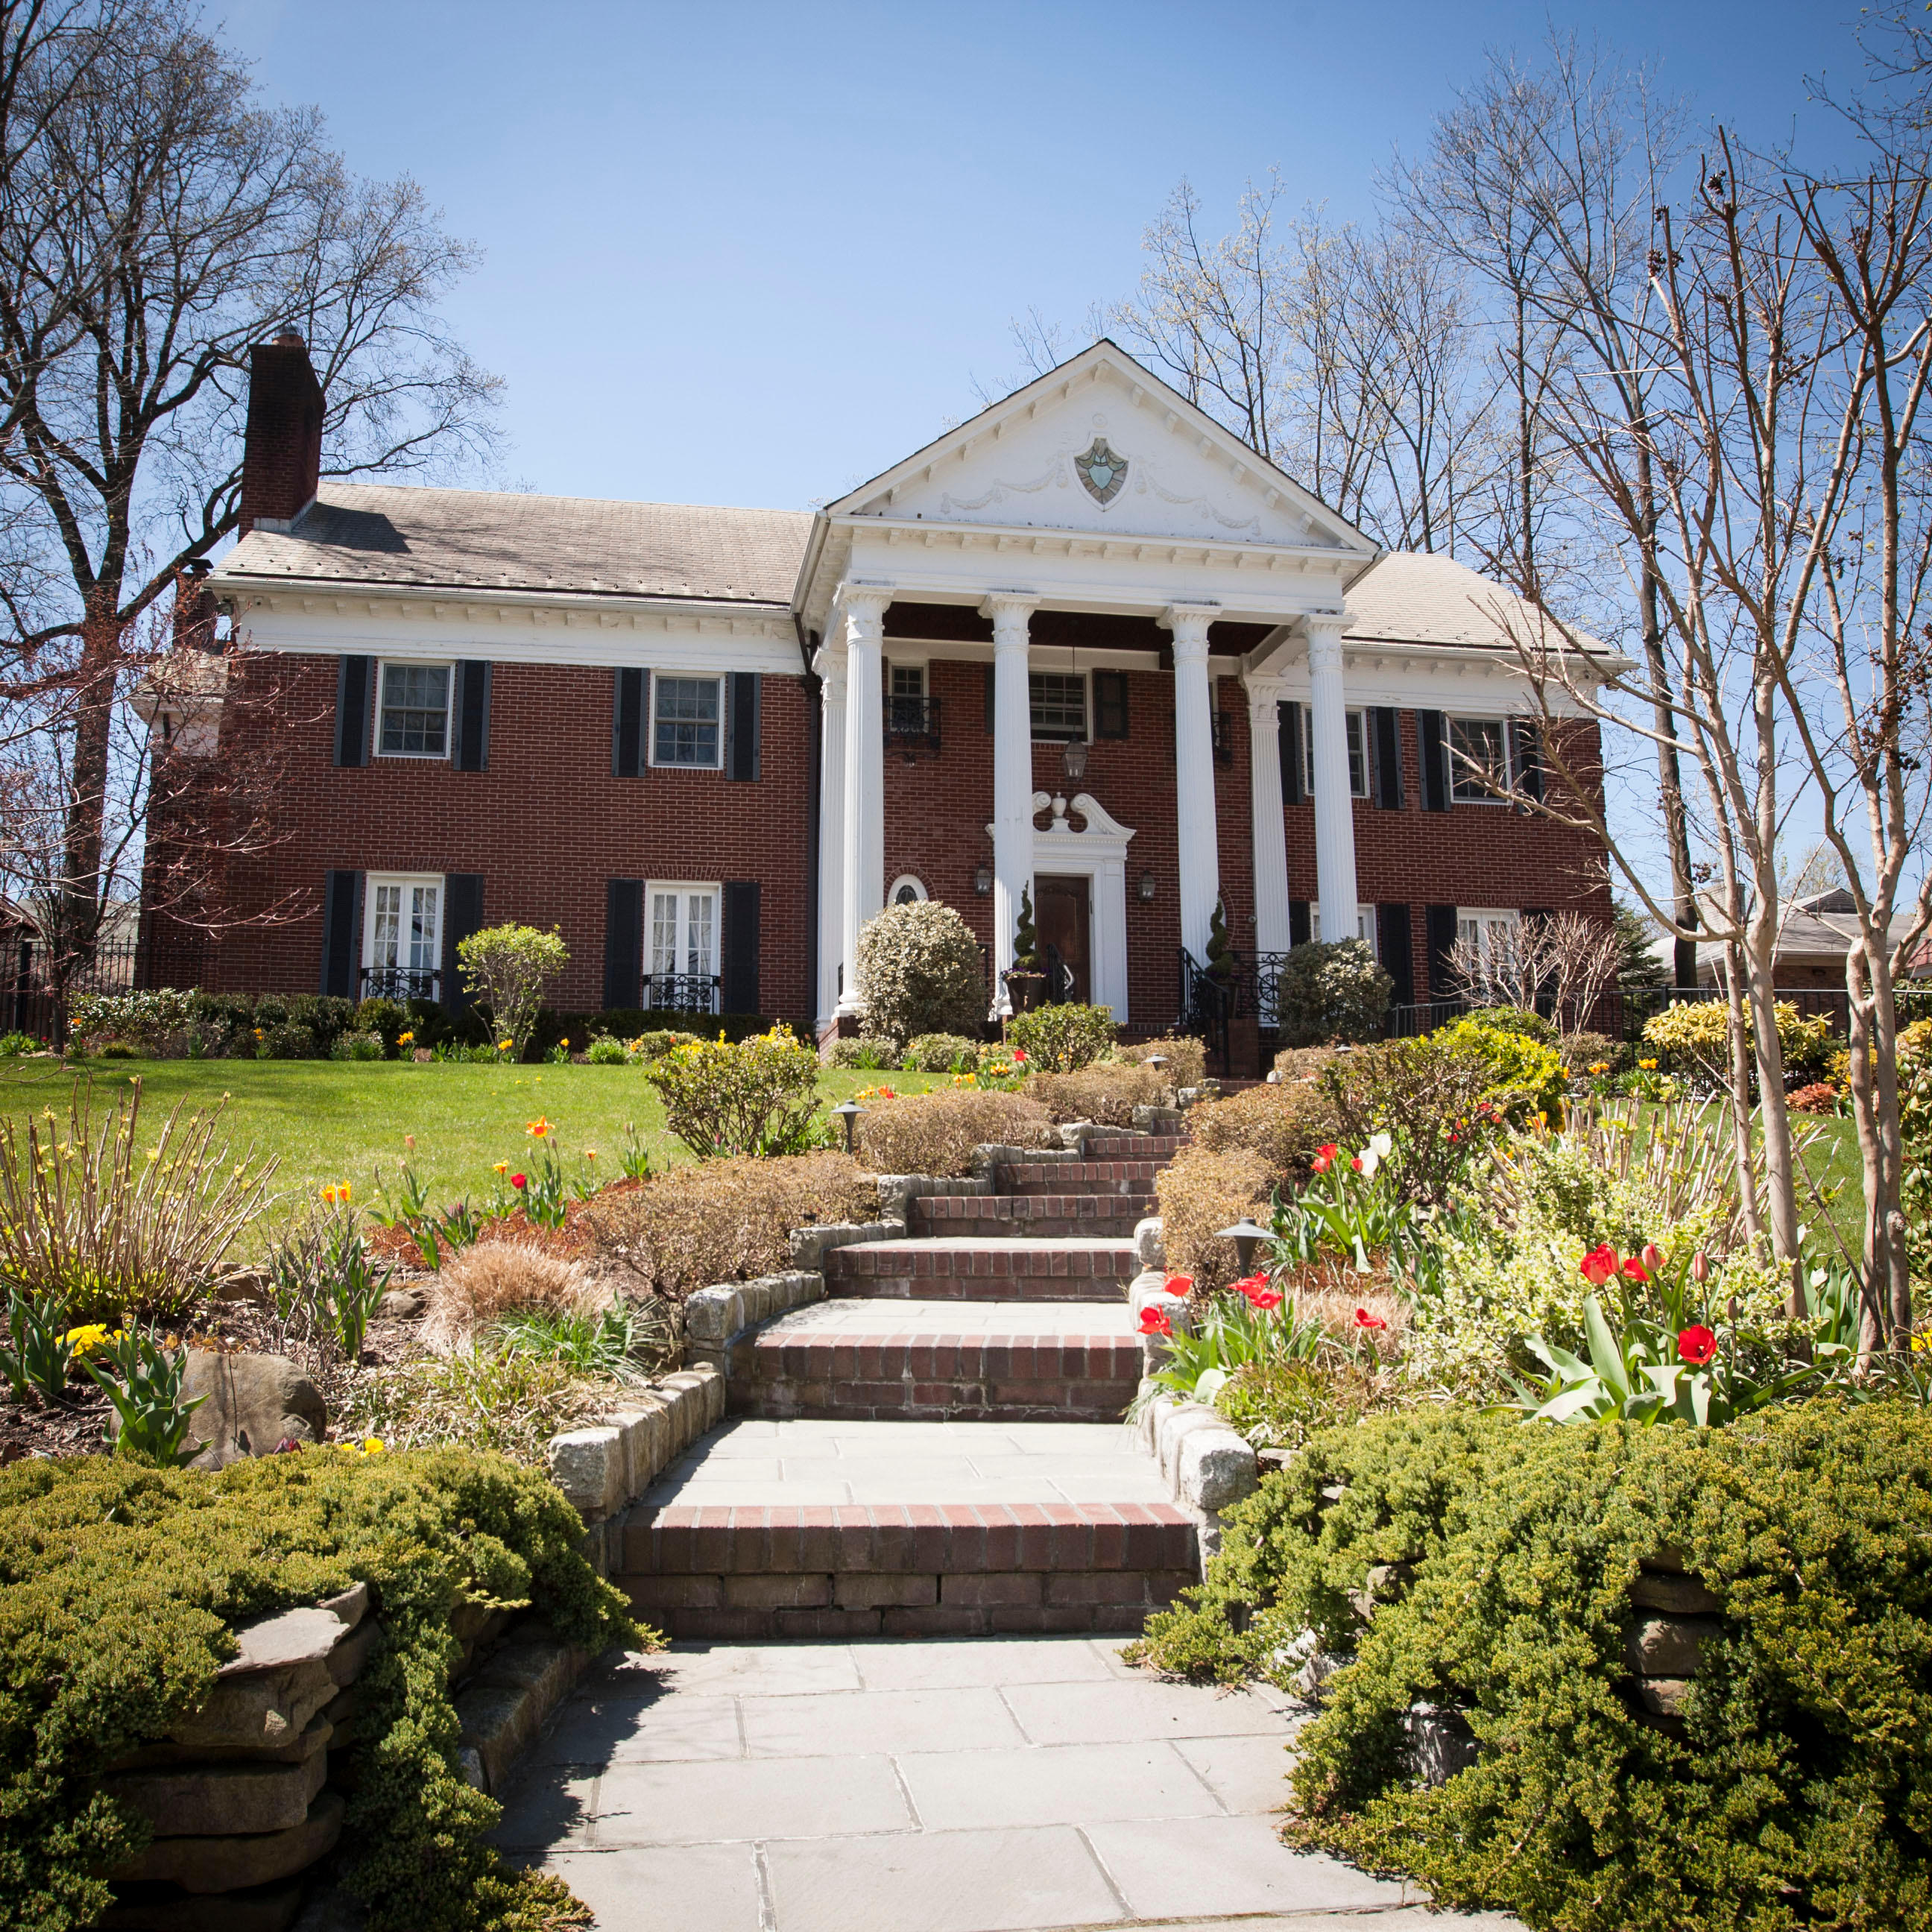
(1101, 445)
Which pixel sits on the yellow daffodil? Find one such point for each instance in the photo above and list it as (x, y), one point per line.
(1600, 1067)
(84, 1340)
(502, 1167)
(1648, 1066)
(373, 1445)
(504, 1045)
(404, 1039)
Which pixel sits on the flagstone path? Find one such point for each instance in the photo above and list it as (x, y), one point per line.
(900, 1584)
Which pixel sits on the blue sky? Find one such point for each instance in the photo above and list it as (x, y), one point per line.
(744, 252)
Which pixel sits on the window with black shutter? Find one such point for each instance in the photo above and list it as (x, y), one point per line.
(627, 723)
(351, 710)
(1300, 923)
(1393, 948)
(1110, 704)
(741, 762)
(1438, 931)
(1528, 748)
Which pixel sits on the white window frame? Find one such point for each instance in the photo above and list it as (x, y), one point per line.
(373, 885)
(917, 665)
(448, 668)
(1085, 681)
(1358, 749)
(1365, 925)
(1483, 923)
(659, 679)
(1459, 775)
(904, 880)
(681, 946)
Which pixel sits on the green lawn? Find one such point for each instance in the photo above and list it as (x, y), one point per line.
(328, 1120)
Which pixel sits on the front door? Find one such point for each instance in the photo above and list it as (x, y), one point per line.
(1061, 913)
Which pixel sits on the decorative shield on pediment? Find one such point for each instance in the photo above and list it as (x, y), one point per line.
(1103, 472)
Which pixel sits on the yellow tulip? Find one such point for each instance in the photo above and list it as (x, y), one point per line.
(373, 1445)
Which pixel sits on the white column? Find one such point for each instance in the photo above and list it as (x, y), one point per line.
(1271, 929)
(1334, 803)
(1194, 763)
(829, 662)
(1012, 777)
(863, 834)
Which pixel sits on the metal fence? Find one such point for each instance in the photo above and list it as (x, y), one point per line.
(31, 1003)
(1621, 1012)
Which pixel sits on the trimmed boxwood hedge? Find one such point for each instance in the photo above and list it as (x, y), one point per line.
(1798, 1791)
(118, 1584)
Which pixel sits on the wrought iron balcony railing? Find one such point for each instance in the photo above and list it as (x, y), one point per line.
(400, 983)
(912, 724)
(681, 992)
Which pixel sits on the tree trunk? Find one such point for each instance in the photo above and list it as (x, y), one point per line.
(79, 909)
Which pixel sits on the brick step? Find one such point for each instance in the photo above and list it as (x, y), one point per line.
(1028, 1216)
(737, 1571)
(922, 1360)
(983, 1269)
(1133, 1147)
(1084, 1177)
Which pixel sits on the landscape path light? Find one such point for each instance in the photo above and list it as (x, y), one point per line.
(848, 1112)
(1246, 1237)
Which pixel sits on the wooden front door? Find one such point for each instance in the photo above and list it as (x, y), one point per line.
(1061, 916)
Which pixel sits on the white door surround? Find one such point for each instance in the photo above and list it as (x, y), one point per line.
(1098, 852)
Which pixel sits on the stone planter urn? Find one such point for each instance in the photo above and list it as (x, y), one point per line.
(1023, 989)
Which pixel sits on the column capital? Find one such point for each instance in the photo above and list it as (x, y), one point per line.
(864, 608)
(1324, 630)
(1010, 610)
(1188, 622)
(1264, 692)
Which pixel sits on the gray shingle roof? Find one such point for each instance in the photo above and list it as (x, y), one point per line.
(1411, 597)
(501, 540)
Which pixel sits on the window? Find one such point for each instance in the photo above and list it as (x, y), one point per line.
(681, 963)
(402, 936)
(908, 716)
(685, 726)
(1059, 705)
(1358, 749)
(1486, 936)
(1479, 764)
(905, 889)
(906, 680)
(414, 720)
(1365, 917)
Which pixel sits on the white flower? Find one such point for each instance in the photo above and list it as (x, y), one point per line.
(1380, 1146)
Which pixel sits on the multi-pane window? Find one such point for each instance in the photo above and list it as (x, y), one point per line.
(1479, 758)
(1059, 705)
(1485, 938)
(1365, 924)
(684, 720)
(1358, 749)
(682, 960)
(401, 947)
(905, 700)
(414, 720)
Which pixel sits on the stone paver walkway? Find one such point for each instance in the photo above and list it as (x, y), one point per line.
(1007, 1784)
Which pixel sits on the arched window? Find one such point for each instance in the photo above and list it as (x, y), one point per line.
(905, 889)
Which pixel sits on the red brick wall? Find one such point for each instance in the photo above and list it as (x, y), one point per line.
(547, 825)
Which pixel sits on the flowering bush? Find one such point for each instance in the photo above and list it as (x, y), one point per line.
(151, 1019)
(758, 1096)
(1062, 1039)
(507, 967)
(1695, 1035)
(1526, 1076)
(357, 1046)
(1331, 991)
(1432, 1095)
(919, 970)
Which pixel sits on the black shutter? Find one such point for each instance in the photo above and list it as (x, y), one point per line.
(991, 699)
(462, 915)
(1439, 932)
(741, 760)
(1394, 948)
(623, 942)
(351, 710)
(1294, 784)
(472, 717)
(1223, 723)
(1385, 743)
(1528, 750)
(1110, 704)
(341, 931)
(1300, 926)
(627, 725)
(738, 949)
(1432, 730)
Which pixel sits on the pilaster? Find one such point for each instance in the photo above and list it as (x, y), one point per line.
(1011, 614)
(1194, 763)
(1270, 831)
(863, 834)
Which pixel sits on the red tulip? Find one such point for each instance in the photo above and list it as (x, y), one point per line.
(1019, 1053)
(1696, 1345)
(1355, 1161)
(1249, 1284)
(1651, 1256)
(1599, 1265)
(1634, 1270)
(1324, 1158)
(519, 1181)
(1364, 1319)
(1179, 1285)
(1264, 1299)
(1700, 1268)
(1154, 1322)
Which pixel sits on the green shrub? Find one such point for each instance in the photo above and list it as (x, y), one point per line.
(866, 1053)
(507, 968)
(1062, 1039)
(608, 1052)
(13, 1045)
(1525, 1075)
(287, 1040)
(1430, 1094)
(324, 1014)
(920, 971)
(357, 1046)
(940, 1053)
(1695, 1034)
(1331, 992)
(119, 1049)
(1792, 1794)
(389, 1019)
(122, 1584)
(1515, 1019)
(758, 1096)
(154, 1021)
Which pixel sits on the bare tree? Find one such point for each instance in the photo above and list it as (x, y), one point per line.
(155, 222)
(1562, 961)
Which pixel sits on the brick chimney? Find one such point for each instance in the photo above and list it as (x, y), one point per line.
(195, 610)
(281, 460)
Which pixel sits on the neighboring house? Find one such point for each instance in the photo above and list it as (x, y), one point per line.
(1813, 936)
(1088, 644)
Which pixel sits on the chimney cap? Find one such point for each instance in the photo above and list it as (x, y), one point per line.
(198, 566)
(290, 337)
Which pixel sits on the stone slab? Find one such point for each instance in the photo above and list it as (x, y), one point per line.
(666, 1888)
(852, 1722)
(765, 1799)
(232, 1863)
(966, 1789)
(215, 1800)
